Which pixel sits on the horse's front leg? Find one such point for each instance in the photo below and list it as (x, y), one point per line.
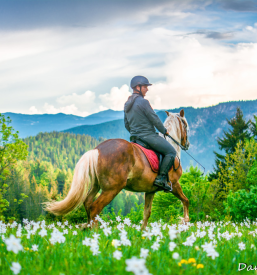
(147, 210)
(177, 191)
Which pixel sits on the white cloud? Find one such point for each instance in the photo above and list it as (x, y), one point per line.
(70, 109)
(116, 98)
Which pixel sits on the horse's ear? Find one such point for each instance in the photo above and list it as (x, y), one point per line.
(182, 113)
(167, 113)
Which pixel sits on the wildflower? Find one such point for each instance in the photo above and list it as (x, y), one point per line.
(137, 266)
(118, 219)
(117, 254)
(197, 247)
(127, 221)
(107, 231)
(147, 234)
(172, 245)
(13, 244)
(116, 243)
(57, 237)
(74, 233)
(172, 233)
(199, 266)
(175, 256)
(96, 236)
(144, 253)
(241, 246)
(183, 261)
(86, 242)
(155, 246)
(16, 268)
(191, 260)
(65, 231)
(34, 247)
(43, 232)
(252, 246)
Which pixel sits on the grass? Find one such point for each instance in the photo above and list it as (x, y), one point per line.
(72, 257)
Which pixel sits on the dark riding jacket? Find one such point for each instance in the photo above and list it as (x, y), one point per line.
(140, 118)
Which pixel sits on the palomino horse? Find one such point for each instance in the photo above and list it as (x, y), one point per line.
(117, 164)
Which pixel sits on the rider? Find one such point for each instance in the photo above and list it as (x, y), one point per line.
(141, 120)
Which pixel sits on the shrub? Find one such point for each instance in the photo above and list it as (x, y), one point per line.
(242, 204)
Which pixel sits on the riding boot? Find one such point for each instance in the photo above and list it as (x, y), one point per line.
(162, 179)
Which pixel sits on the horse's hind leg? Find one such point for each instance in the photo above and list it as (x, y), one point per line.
(104, 199)
(177, 191)
(147, 210)
(89, 200)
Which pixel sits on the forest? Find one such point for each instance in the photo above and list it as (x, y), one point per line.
(40, 168)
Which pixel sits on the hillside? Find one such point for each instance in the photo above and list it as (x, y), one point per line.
(63, 150)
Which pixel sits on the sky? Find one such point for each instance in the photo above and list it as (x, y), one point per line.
(78, 57)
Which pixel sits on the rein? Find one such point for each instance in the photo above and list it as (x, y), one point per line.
(185, 149)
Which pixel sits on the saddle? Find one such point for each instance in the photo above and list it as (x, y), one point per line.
(142, 143)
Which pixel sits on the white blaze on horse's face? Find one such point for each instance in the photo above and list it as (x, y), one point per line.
(177, 126)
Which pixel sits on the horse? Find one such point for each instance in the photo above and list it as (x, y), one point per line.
(117, 164)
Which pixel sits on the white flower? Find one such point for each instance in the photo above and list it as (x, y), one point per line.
(118, 219)
(144, 253)
(127, 221)
(43, 232)
(175, 255)
(57, 237)
(77, 226)
(65, 231)
(107, 231)
(172, 233)
(74, 233)
(147, 234)
(155, 246)
(212, 253)
(96, 236)
(137, 266)
(13, 244)
(86, 242)
(116, 243)
(117, 254)
(172, 245)
(66, 222)
(241, 246)
(16, 268)
(34, 247)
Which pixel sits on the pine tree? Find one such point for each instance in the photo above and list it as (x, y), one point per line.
(227, 143)
(253, 127)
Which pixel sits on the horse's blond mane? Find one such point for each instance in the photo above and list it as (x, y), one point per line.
(172, 125)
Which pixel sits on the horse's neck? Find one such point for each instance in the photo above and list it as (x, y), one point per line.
(174, 131)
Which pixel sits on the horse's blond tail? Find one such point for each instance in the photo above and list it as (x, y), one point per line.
(84, 177)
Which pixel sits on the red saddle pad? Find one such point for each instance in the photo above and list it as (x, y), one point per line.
(151, 156)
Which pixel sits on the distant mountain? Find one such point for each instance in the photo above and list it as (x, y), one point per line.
(31, 125)
(206, 124)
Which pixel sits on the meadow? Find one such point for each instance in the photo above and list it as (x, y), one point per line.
(119, 247)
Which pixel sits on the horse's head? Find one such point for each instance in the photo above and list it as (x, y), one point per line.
(178, 128)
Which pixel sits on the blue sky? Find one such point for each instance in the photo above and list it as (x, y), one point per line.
(78, 56)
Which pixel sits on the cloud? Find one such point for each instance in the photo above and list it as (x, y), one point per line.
(215, 34)
(116, 98)
(239, 5)
(70, 109)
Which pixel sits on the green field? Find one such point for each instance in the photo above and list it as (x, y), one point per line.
(194, 248)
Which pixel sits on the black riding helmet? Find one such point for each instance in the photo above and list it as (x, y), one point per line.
(139, 81)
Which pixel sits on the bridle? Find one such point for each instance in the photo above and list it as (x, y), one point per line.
(185, 148)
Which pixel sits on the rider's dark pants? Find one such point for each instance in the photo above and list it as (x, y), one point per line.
(162, 146)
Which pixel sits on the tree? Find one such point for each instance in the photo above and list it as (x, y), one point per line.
(253, 127)
(12, 149)
(239, 132)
